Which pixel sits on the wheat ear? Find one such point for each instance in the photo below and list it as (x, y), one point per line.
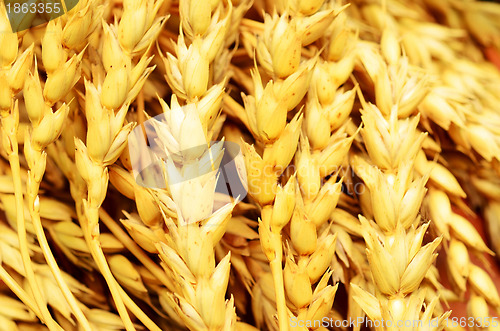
(278, 51)
(9, 109)
(10, 44)
(106, 136)
(188, 251)
(46, 128)
(196, 73)
(320, 154)
(394, 242)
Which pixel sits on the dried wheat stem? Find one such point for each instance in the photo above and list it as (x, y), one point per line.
(135, 249)
(148, 323)
(20, 292)
(100, 259)
(279, 287)
(52, 263)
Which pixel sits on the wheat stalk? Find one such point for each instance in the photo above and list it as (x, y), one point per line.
(14, 75)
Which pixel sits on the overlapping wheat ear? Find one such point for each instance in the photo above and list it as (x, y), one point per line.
(196, 74)
(397, 261)
(321, 153)
(447, 106)
(116, 82)
(484, 140)
(278, 51)
(47, 126)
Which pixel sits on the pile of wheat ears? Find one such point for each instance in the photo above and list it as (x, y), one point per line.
(369, 133)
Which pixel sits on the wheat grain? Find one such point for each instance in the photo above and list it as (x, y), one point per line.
(478, 309)
(458, 265)
(481, 282)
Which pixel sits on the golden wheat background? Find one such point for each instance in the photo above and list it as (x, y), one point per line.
(370, 144)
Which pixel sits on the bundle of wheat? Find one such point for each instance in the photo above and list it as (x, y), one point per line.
(368, 134)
